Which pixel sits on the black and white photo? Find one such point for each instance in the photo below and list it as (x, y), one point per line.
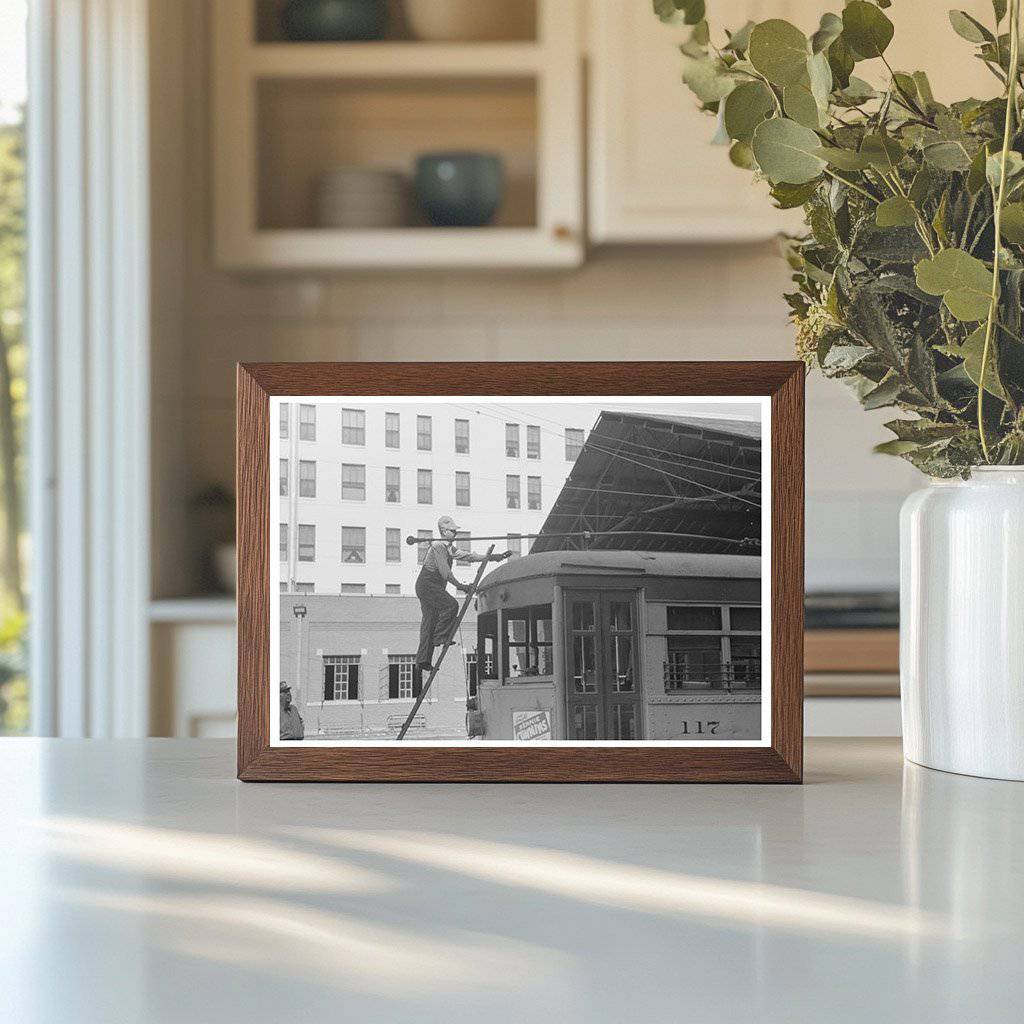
(480, 570)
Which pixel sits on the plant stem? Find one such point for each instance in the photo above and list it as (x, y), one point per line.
(1011, 108)
(853, 185)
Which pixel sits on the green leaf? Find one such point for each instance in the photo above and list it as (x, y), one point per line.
(844, 159)
(895, 212)
(788, 197)
(779, 51)
(801, 106)
(885, 394)
(840, 60)
(857, 91)
(883, 152)
(976, 173)
(829, 30)
(923, 431)
(999, 9)
(866, 29)
(741, 155)
(963, 281)
(1012, 224)
(971, 351)
(947, 156)
(689, 12)
(993, 167)
(707, 78)
(745, 108)
(787, 152)
(922, 185)
(819, 74)
(739, 41)
(924, 88)
(969, 28)
(896, 447)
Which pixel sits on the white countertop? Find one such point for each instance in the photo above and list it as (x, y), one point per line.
(141, 882)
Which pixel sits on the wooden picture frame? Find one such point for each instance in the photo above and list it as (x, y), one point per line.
(779, 759)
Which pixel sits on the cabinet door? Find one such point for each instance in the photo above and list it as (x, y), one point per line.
(654, 177)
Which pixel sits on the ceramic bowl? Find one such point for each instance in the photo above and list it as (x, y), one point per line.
(470, 20)
(459, 189)
(333, 21)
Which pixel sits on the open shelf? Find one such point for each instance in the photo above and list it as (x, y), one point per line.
(286, 114)
(308, 127)
(393, 60)
(520, 23)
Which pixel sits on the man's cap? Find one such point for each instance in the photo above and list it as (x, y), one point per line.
(446, 523)
(285, 687)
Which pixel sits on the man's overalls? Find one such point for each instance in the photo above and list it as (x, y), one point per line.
(438, 608)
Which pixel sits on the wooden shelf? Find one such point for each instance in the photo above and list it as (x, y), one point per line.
(393, 60)
(400, 248)
(284, 114)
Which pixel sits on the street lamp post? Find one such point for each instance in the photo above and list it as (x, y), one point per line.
(299, 611)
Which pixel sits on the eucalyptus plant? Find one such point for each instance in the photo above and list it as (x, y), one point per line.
(910, 277)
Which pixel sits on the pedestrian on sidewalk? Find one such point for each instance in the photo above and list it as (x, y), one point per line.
(437, 607)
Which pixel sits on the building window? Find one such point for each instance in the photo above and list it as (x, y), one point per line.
(284, 542)
(353, 589)
(392, 545)
(353, 544)
(512, 440)
(425, 486)
(393, 589)
(462, 437)
(713, 647)
(304, 588)
(284, 420)
(341, 677)
(404, 679)
(283, 463)
(353, 426)
(423, 536)
(471, 674)
(307, 479)
(573, 444)
(515, 544)
(533, 442)
(424, 433)
(307, 543)
(392, 430)
(462, 489)
(392, 484)
(307, 422)
(533, 493)
(528, 642)
(353, 482)
(512, 492)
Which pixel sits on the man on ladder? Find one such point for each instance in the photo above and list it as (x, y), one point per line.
(437, 607)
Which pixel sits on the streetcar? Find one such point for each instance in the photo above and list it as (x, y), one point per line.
(619, 645)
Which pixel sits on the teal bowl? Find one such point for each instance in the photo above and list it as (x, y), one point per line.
(460, 189)
(334, 21)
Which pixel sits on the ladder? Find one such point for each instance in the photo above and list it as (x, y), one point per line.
(470, 594)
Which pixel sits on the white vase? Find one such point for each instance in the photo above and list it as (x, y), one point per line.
(962, 624)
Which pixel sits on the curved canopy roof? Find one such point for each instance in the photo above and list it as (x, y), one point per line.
(661, 483)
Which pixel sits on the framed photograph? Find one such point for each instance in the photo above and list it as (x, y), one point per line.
(520, 572)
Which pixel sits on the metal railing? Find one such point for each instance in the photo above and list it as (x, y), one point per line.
(730, 676)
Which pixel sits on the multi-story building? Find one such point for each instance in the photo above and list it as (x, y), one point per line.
(356, 478)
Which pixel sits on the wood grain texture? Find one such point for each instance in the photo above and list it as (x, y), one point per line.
(852, 650)
(781, 762)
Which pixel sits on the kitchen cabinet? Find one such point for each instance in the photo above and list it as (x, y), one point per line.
(653, 177)
(286, 114)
